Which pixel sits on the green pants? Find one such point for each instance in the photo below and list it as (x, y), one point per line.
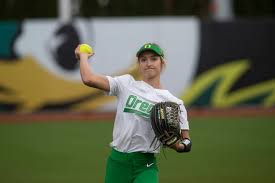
(131, 168)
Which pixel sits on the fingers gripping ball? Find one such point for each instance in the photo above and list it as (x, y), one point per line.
(85, 48)
(166, 123)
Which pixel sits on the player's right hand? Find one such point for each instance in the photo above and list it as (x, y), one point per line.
(79, 54)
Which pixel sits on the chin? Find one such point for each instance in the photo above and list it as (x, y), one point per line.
(150, 76)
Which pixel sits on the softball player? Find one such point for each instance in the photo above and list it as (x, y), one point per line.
(132, 158)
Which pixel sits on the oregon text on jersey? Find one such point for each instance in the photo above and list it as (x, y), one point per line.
(138, 106)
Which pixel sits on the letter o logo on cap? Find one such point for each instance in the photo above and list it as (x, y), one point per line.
(147, 46)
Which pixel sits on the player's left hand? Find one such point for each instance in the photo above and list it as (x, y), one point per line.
(179, 147)
(183, 145)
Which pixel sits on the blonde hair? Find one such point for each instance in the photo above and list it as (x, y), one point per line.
(163, 63)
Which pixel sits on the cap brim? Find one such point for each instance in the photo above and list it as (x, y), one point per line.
(148, 49)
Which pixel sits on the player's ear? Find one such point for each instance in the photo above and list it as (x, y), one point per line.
(163, 63)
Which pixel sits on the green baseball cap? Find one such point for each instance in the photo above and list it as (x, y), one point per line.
(150, 47)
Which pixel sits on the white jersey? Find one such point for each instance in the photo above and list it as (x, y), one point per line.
(132, 128)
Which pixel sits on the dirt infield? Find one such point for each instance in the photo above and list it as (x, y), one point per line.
(91, 116)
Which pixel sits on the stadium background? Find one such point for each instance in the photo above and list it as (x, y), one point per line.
(54, 129)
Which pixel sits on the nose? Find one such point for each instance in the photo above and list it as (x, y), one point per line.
(148, 62)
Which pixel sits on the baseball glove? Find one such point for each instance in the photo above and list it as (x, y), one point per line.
(165, 122)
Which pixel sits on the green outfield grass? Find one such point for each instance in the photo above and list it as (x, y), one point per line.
(225, 150)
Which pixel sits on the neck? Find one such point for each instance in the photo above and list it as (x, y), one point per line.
(155, 83)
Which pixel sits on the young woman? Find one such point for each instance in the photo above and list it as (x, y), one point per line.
(132, 157)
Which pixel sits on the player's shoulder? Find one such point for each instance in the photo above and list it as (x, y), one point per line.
(173, 98)
(125, 79)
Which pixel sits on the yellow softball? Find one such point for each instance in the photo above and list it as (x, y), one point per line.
(85, 48)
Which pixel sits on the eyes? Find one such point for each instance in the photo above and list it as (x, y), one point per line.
(152, 59)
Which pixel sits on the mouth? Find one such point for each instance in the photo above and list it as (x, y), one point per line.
(148, 69)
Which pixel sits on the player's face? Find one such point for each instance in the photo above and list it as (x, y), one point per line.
(150, 65)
